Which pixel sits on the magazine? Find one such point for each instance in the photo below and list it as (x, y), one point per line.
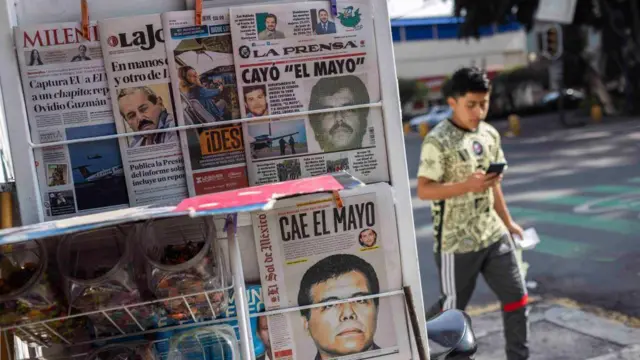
(312, 251)
(67, 98)
(299, 58)
(204, 86)
(138, 75)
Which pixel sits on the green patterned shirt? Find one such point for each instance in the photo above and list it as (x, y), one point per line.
(451, 154)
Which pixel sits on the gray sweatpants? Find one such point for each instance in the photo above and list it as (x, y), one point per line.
(499, 266)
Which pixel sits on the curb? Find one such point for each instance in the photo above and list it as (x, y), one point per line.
(589, 324)
(628, 353)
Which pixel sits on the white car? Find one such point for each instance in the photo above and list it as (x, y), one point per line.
(432, 118)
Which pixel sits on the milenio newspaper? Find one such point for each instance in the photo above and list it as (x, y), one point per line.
(136, 66)
(310, 251)
(203, 81)
(299, 57)
(67, 98)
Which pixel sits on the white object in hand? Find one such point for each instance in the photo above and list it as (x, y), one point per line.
(529, 240)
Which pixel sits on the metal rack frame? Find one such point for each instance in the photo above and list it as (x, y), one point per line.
(38, 11)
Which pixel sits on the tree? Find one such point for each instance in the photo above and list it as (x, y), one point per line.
(619, 51)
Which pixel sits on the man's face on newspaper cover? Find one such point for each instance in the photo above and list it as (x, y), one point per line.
(256, 102)
(347, 328)
(192, 77)
(368, 237)
(341, 129)
(139, 112)
(270, 23)
(324, 16)
(263, 333)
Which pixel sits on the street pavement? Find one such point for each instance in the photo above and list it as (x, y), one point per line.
(580, 189)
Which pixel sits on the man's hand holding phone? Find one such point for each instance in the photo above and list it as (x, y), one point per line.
(479, 181)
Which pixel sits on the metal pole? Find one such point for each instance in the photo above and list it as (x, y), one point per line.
(636, 20)
(561, 113)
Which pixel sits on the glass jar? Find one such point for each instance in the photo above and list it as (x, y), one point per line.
(209, 342)
(182, 259)
(27, 294)
(99, 274)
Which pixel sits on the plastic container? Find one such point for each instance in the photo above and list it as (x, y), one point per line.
(216, 342)
(143, 351)
(99, 274)
(26, 294)
(183, 259)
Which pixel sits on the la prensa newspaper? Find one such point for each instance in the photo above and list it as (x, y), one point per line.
(311, 251)
(203, 81)
(136, 66)
(297, 58)
(67, 98)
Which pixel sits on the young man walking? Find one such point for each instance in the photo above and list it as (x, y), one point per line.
(472, 225)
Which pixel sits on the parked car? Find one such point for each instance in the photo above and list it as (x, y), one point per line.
(435, 115)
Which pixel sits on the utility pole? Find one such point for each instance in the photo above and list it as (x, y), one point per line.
(552, 50)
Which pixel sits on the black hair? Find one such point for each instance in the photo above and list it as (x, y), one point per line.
(271, 16)
(332, 267)
(321, 10)
(252, 88)
(468, 80)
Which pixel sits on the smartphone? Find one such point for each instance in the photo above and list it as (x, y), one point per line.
(496, 168)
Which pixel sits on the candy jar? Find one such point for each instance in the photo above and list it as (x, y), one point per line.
(209, 342)
(183, 258)
(26, 293)
(99, 274)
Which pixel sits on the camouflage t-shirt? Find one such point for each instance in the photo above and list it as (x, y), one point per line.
(451, 154)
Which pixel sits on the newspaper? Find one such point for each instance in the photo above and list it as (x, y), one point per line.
(204, 86)
(138, 75)
(299, 58)
(67, 98)
(311, 251)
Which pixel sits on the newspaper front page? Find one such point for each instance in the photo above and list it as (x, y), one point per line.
(67, 98)
(138, 75)
(310, 252)
(203, 81)
(298, 58)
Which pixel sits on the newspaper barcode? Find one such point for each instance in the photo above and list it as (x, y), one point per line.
(372, 135)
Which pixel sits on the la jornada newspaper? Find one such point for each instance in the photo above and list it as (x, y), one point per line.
(136, 65)
(311, 251)
(67, 98)
(298, 58)
(204, 87)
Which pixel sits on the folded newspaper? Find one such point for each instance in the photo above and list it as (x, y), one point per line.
(136, 65)
(203, 81)
(310, 251)
(67, 98)
(299, 58)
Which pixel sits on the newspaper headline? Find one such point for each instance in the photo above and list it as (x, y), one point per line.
(138, 74)
(204, 86)
(67, 98)
(310, 251)
(298, 59)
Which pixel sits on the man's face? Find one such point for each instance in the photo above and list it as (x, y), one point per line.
(368, 237)
(270, 23)
(256, 102)
(342, 329)
(192, 77)
(140, 113)
(263, 332)
(324, 16)
(341, 129)
(470, 109)
(83, 50)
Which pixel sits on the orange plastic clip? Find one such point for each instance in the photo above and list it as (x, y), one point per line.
(338, 199)
(198, 12)
(84, 8)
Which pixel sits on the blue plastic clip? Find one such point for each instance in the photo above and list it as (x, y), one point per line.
(334, 8)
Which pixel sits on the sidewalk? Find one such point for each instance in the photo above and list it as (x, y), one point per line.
(559, 331)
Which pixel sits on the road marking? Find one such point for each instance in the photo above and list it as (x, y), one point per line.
(563, 248)
(600, 204)
(635, 180)
(615, 189)
(618, 226)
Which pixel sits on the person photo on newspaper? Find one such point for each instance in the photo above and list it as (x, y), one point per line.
(143, 109)
(346, 328)
(192, 87)
(255, 100)
(343, 129)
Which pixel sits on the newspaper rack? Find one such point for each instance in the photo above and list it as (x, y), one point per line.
(21, 147)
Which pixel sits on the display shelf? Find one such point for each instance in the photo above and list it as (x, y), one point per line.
(24, 12)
